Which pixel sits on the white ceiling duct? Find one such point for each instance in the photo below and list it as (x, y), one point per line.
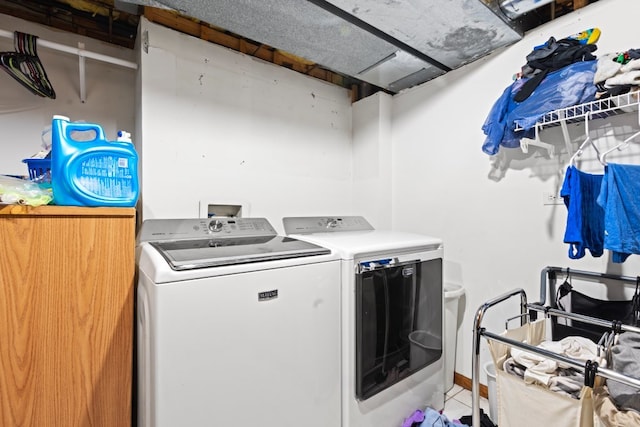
(516, 8)
(393, 44)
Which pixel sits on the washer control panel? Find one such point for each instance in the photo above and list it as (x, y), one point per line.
(178, 229)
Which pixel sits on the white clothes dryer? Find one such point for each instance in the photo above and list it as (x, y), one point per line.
(392, 317)
(235, 326)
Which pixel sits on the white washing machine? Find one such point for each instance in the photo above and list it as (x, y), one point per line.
(235, 326)
(392, 317)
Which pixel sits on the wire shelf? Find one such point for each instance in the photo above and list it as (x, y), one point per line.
(599, 109)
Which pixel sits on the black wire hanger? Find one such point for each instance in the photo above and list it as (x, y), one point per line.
(25, 66)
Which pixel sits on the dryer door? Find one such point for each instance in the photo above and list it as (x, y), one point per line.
(398, 321)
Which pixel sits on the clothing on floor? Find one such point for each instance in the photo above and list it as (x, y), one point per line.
(585, 217)
(430, 418)
(433, 418)
(414, 419)
(485, 421)
(620, 199)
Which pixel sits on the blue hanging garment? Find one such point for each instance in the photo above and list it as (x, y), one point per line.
(585, 217)
(620, 199)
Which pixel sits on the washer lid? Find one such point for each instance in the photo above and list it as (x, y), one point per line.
(202, 253)
(199, 243)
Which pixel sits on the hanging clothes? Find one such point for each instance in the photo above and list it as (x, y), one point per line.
(585, 217)
(25, 66)
(620, 199)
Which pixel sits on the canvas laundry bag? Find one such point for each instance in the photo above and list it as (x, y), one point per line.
(521, 404)
(607, 414)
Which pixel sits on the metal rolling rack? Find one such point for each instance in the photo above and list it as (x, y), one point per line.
(540, 307)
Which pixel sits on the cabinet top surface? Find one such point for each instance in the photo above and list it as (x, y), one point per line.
(51, 210)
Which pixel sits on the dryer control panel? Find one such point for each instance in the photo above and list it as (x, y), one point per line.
(324, 224)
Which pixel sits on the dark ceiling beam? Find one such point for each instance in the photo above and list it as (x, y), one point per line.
(334, 10)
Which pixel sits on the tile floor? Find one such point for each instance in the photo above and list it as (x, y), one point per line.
(458, 403)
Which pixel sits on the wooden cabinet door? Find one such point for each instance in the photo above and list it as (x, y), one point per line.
(66, 316)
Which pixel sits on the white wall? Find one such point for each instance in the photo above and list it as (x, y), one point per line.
(222, 127)
(23, 116)
(498, 234)
(372, 159)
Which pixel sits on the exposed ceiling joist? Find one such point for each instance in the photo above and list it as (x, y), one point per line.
(363, 45)
(391, 44)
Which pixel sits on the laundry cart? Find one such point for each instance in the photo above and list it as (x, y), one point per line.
(521, 401)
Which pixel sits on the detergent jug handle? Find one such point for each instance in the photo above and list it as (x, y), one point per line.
(84, 127)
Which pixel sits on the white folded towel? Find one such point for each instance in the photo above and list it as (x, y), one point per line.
(628, 78)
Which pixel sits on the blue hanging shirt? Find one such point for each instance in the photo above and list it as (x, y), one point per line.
(585, 217)
(620, 199)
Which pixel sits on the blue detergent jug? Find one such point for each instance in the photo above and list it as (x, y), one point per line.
(93, 172)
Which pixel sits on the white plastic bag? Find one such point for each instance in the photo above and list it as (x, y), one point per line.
(22, 192)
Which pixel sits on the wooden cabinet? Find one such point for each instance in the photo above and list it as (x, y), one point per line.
(66, 316)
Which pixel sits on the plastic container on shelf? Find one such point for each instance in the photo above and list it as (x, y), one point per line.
(452, 294)
(89, 170)
(37, 167)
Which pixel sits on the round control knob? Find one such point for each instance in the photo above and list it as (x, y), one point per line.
(215, 225)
